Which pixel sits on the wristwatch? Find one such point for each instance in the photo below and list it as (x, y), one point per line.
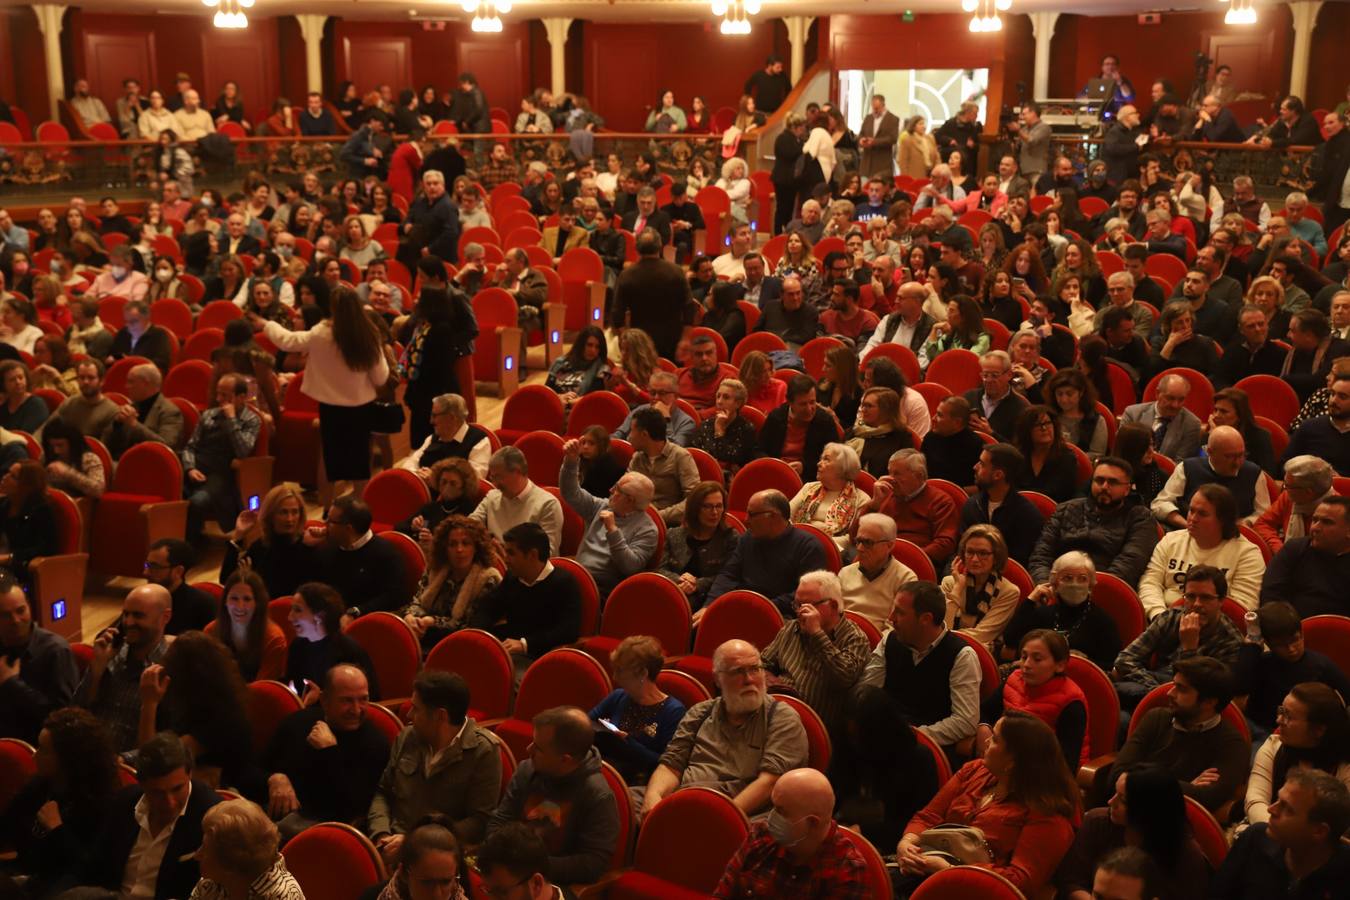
(354, 612)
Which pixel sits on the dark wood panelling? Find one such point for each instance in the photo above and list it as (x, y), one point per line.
(373, 60)
(500, 64)
(248, 58)
(111, 56)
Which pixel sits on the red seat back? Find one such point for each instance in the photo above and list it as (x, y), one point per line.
(414, 560)
(174, 315)
(201, 344)
(833, 560)
(191, 380)
(941, 764)
(149, 469)
(746, 615)
(217, 314)
(1329, 635)
(760, 475)
(1208, 833)
(115, 380)
(604, 408)
(721, 828)
(651, 604)
(333, 860)
(878, 876)
(383, 718)
(573, 526)
(393, 648)
(562, 677)
(709, 469)
(69, 526)
(989, 679)
(957, 370)
(16, 767)
(1119, 601)
(682, 686)
(965, 882)
(903, 357)
(1103, 704)
(911, 554)
(543, 454)
(589, 591)
(865, 626)
(763, 341)
(818, 747)
(1271, 397)
(624, 807)
(531, 407)
(269, 703)
(395, 495)
(482, 661)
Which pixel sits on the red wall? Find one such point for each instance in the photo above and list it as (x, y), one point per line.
(627, 66)
(23, 72)
(1167, 50)
(1328, 73)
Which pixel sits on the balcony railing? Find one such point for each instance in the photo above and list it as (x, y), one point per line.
(1275, 171)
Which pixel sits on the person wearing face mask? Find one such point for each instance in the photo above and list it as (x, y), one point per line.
(798, 850)
(165, 282)
(1064, 605)
(120, 280)
(1114, 530)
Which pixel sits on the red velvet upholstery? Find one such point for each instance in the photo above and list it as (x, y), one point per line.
(115, 380)
(395, 495)
(694, 871)
(1119, 601)
(682, 686)
(1208, 833)
(759, 475)
(201, 344)
(393, 648)
(912, 555)
(583, 278)
(833, 561)
(865, 625)
(190, 379)
(604, 408)
(763, 341)
(989, 680)
(965, 882)
(386, 720)
(16, 767)
(818, 749)
(746, 615)
(878, 876)
(543, 454)
(483, 662)
(414, 561)
(148, 474)
(904, 358)
(1045, 505)
(269, 703)
(1329, 635)
(279, 611)
(173, 315)
(957, 370)
(334, 861)
(624, 803)
(589, 590)
(532, 407)
(573, 528)
(645, 603)
(1103, 704)
(562, 677)
(709, 469)
(297, 434)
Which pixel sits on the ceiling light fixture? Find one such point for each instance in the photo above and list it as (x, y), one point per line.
(229, 13)
(735, 15)
(986, 14)
(1240, 12)
(486, 14)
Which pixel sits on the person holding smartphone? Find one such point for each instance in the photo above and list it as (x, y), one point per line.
(111, 688)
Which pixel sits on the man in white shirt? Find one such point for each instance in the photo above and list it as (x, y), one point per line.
(90, 108)
(452, 435)
(516, 500)
(150, 834)
(729, 264)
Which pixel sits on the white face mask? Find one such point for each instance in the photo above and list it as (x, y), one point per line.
(285, 252)
(164, 275)
(207, 202)
(119, 272)
(1073, 594)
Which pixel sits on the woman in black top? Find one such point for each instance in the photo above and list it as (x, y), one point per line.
(1134, 444)
(270, 542)
(697, 550)
(28, 520)
(348, 103)
(723, 314)
(198, 693)
(996, 299)
(839, 389)
(1051, 467)
(1176, 342)
(1234, 408)
(428, 360)
(879, 432)
(458, 493)
(230, 107)
(77, 775)
(600, 471)
(430, 105)
(319, 644)
(727, 435)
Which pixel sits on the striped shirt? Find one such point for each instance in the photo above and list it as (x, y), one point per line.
(822, 668)
(274, 884)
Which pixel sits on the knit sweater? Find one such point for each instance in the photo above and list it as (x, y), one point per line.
(771, 566)
(1185, 754)
(928, 519)
(500, 513)
(1239, 560)
(874, 598)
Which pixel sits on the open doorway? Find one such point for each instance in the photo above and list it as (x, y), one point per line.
(935, 94)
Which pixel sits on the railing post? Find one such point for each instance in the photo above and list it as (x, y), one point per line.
(556, 31)
(311, 29)
(1043, 28)
(1305, 20)
(49, 22)
(798, 27)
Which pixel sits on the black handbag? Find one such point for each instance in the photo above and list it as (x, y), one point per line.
(387, 418)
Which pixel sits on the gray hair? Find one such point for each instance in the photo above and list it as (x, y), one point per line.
(913, 460)
(1074, 559)
(473, 250)
(828, 582)
(519, 255)
(1001, 355)
(147, 372)
(727, 647)
(1121, 276)
(1311, 472)
(433, 175)
(1158, 215)
(845, 460)
(642, 487)
(1168, 379)
(510, 459)
(1243, 181)
(669, 379)
(1296, 197)
(737, 388)
(1024, 335)
(881, 521)
(453, 404)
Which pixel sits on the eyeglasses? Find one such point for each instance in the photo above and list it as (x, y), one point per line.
(798, 604)
(1282, 712)
(992, 376)
(714, 507)
(863, 543)
(1044, 423)
(978, 554)
(743, 671)
(1192, 597)
(762, 512)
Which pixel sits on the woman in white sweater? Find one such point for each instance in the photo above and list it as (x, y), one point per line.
(1211, 536)
(345, 364)
(1314, 732)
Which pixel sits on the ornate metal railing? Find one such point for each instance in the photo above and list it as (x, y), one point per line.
(30, 172)
(1274, 170)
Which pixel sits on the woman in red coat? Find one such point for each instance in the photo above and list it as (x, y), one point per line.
(1039, 687)
(405, 166)
(1022, 797)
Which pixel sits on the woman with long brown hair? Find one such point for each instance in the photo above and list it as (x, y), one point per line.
(270, 543)
(345, 367)
(243, 626)
(459, 573)
(1051, 467)
(839, 389)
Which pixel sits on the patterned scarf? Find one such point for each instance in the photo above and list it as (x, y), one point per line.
(412, 354)
(838, 515)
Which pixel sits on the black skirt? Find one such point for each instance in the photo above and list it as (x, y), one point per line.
(344, 434)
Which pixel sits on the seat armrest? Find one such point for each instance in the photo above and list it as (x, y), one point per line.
(599, 888)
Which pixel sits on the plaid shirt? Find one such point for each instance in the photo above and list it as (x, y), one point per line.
(1160, 645)
(494, 172)
(762, 868)
(119, 695)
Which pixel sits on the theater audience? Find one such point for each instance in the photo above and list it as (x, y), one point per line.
(980, 601)
(1325, 435)
(1307, 481)
(563, 796)
(516, 499)
(243, 627)
(638, 718)
(324, 761)
(72, 465)
(739, 743)
(1145, 817)
(880, 431)
(833, 502)
(952, 447)
(1176, 430)
(1051, 468)
(1314, 733)
(149, 416)
(1210, 537)
(724, 433)
(319, 644)
(37, 670)
(537, 607)
(152, 830)
(1310, 572)
(442, 763)
(238, 855)
(798, 431)
(367, 572)
(27, 519)
(1265, 677)
(1064, 604)
(619, 538)
(459, 573)
(921, 512)
(166, 564)
(1020, 795)
(456, 492)
(1226, 463)
(770, 557)
(668, 467)
(21, 410)
(1038, 686)
(452, 436)
(1188, 737)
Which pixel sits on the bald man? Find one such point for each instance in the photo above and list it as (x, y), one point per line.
(1224, 461)
(798, 850)
(111, 687)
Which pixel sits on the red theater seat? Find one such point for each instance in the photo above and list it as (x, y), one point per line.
(334, 861)
(482, 661)
(562, 677)
(143, 504)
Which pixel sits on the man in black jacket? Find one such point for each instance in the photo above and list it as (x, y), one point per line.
(130, 855)
(1122, 144)
(37, 669)
(652, 295)
(469, 110)
(432, 224)
(646, 215)
(1295, 126)
(1331, 163)
(995, 406)
(138, 337)
(1116, 532)
(790, 316)
(366, 571)
(769, 86)
(813, 426)
(998, 503)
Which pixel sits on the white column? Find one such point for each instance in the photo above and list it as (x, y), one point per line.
(49, 21)
(1305, 20)
(1043, 28)
(311, 29)
(556, 30)
(798, 27)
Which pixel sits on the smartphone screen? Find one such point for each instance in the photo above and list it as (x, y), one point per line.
(253, 503)
(610, 725)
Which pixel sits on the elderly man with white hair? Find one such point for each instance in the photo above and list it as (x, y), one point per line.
(810, 224)
(869, 584)
(1064, 604)
(1307, 480)
(739, 743)
(147, 416)
(940, 190)
(452, 436)
(431, 225)
(1176, 430)
(1225, 462)
(821, 653)
(620, 538)
(798, 850)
